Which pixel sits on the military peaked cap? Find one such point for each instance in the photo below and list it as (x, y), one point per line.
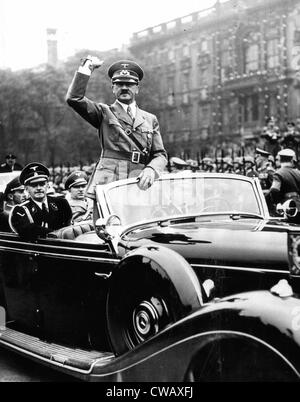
(75, 179)
(10, 156)
(13, 185)
(125, 71)
(287, 152)
(34, 172)
(262, 152)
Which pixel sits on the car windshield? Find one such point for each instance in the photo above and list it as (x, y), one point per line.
(174, 197)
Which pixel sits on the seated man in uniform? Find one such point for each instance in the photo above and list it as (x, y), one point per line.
(41, 213)
(82, 207)
(14, 194)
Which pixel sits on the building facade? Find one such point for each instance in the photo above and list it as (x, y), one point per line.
(223, 71)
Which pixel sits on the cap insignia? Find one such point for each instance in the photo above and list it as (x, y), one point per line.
(124, 72)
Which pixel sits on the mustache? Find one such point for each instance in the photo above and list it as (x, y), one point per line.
(125, 91)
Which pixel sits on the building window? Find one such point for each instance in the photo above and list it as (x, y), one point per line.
(249, 106)
(185, 119)
(185, 51)
(185, 82)
(204, 116)
(203, 94)
(171, 55)
(273, 56)
(226, 56)
(203, 75)
(251, 53)
(203, 47)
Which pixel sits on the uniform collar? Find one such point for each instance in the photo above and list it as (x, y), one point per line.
(132, 105)
(40, 204)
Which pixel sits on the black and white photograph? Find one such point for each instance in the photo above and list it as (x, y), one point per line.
(150, 194)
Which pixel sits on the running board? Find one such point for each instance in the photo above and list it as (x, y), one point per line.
(69, 358)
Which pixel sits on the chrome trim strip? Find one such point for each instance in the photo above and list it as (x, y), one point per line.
(199, 336)
(234, 268)
(61, 255)
(51, 246)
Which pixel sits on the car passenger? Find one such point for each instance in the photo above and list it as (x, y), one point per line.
(14, 194)
(41, 213)
(82, 206)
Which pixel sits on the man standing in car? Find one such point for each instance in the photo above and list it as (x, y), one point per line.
(40, 214)
(130, 137)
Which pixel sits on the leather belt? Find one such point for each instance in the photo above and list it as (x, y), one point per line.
(134, 156)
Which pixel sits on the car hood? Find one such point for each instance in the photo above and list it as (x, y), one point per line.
(247, 242)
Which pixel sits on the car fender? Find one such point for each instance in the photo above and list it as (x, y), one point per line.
(171, 266)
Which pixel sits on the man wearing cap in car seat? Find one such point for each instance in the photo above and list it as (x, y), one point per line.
(286, 180)
(14, 194)
(130, 137)
(82, 207)
(41, 213)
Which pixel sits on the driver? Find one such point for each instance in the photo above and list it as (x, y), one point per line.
(41, 213)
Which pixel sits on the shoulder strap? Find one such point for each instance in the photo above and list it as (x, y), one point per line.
(125, 132)
(28, 214)
(10, 217)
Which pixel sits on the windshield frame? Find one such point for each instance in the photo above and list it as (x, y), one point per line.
(105, 207)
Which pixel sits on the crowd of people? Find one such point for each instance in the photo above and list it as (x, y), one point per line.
(40, 201)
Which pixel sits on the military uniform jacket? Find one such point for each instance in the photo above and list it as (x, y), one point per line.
(4, 216)
(112, 166)
(4, 167)
(28, 220)
(289, 179)
(82, 210)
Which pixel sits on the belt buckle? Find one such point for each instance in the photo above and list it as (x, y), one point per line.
(135, 158)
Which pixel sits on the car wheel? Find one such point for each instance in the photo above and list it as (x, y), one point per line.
(138, 308)
(142, 301)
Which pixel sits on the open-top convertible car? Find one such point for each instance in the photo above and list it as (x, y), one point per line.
(190, 280)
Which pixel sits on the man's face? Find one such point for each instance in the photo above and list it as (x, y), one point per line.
(10, 161)
(125, 91)
(38, 190)
(77, 192)
(18, 196)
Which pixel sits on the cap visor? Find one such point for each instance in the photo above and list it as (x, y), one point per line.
(36, 179)
(126, 80)
(79, 183)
